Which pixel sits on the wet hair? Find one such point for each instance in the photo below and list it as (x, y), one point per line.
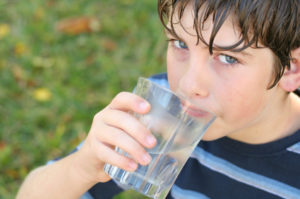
(274, 24)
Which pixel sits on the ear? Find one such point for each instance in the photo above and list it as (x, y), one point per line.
(290, 80)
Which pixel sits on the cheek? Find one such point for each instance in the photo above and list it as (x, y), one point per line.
(237, 109)
(242, 102)
(175, 69)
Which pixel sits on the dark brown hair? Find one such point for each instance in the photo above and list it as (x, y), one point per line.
(274, 24)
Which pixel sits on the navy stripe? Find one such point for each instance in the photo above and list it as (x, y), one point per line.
(232, 171)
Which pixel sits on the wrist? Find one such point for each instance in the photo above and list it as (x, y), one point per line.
(79, 172)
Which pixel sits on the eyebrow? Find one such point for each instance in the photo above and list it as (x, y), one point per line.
(234, 51)
(169, 34)
(243, 52)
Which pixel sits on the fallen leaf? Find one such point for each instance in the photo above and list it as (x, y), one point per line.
(18, 73)
(20, 48)
(39, 13)
(110, 45)
(41, 62)
(2, 145)
(89, 60)
(12, 173)
(50, 3)
(4, 30)
(42, 94)
(31, 83)
(78, 25)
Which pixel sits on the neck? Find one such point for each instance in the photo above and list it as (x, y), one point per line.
(281, 120)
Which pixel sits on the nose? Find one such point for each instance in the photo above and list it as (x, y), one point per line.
(195, 82)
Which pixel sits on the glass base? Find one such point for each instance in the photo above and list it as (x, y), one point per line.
(133, 180)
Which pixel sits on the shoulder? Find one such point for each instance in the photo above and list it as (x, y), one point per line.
(161, 79)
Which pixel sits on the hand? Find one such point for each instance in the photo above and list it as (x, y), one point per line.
(111, 127)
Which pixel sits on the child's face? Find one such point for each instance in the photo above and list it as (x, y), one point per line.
(233, 85)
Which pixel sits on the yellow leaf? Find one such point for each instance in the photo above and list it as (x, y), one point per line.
(41, 62)
(20, 48)
(4, 30)
(42, 94)
(39, 13)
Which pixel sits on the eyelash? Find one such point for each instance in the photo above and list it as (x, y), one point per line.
(172, 41)
(216, 56)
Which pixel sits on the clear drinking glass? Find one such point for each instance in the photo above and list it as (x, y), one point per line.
(178, 125)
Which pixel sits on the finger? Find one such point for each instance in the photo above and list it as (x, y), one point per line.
(130, 125)
(126, 101)
(119, 138)
(110, 156)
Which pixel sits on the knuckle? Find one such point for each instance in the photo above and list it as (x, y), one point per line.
(139, 129)
(136, 150)
(128, 123)
(124, 163)
(98, 116)
(120, 95)
(136, 129)
(140, 132)
(130, 146)
(101, 153)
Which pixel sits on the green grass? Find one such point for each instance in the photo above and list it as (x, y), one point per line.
(81, 72)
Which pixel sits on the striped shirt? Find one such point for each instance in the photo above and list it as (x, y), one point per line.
(228, 169)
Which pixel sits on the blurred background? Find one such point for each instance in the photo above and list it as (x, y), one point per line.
(61, 61)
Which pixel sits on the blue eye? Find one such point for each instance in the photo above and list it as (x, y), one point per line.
(225, 59)
(180, 44)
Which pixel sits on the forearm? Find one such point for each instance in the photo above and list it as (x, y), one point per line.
(58, 180)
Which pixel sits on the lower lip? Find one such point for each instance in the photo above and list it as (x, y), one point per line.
(194, 112)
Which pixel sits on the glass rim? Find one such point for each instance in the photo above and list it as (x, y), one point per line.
(179, 95)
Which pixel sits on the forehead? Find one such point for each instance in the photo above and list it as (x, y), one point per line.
(228, 34)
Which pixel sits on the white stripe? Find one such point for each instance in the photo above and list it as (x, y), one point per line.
(50, 162)
(295, 148)
(87, 195)
(178, 193)
(258, 181)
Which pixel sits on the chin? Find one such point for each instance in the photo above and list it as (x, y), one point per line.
(211, 135)
(209, 138)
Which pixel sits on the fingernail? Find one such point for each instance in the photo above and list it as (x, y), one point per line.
(133, 165)
(144, 105)
(150, 139)
(146, 158)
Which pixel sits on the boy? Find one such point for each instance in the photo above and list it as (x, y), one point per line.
(238, 58)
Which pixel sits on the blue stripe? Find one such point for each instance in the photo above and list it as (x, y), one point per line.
(258, 181)
(178, 193)
(79, 146)
(87, 195)
(295, 148)
(162, 82)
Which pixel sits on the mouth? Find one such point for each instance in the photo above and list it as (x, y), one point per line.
(193, 111)
(197, 113)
